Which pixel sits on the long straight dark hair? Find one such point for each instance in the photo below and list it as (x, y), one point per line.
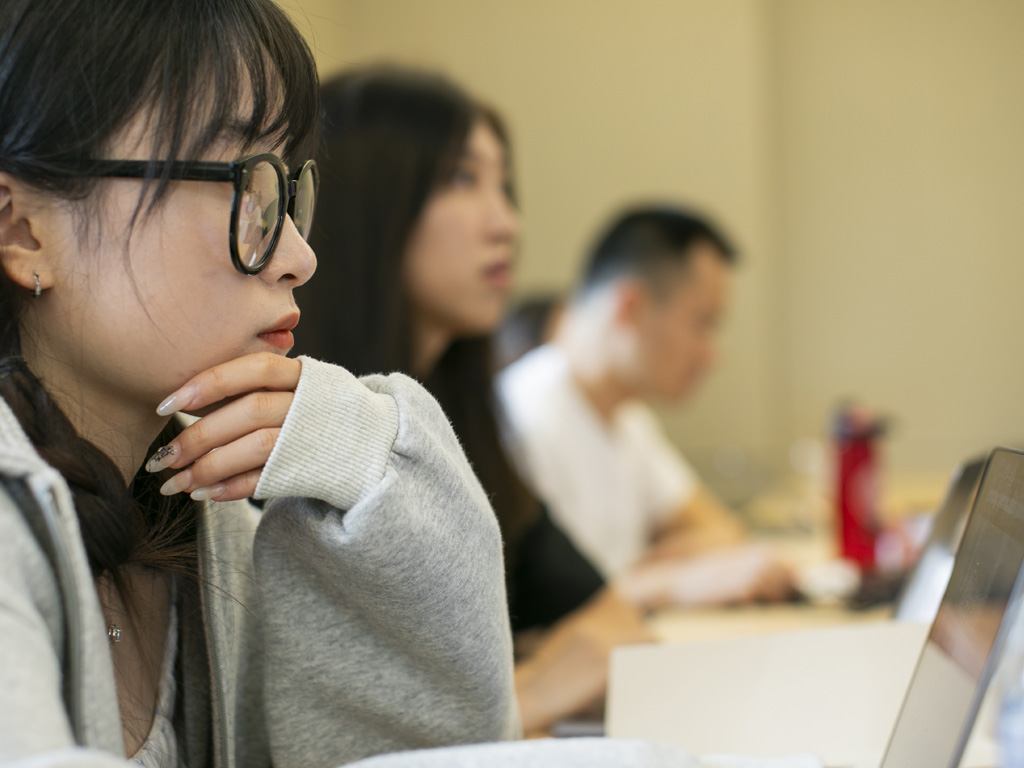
(391, 137)
(73, 75)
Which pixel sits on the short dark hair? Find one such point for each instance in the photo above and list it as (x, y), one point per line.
(642, 242)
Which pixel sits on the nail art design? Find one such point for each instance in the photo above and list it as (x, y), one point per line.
(161, 458)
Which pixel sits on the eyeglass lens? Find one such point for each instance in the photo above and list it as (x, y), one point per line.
(305, 194)
(261, 209)
(258, 213)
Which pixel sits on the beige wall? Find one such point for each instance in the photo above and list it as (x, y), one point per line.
(901, 192)
(866, 156)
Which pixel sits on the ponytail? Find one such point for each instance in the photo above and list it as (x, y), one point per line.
(119, 525)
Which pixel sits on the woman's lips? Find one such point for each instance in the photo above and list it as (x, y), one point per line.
(280, 334)
(279, 339)
(499, 275)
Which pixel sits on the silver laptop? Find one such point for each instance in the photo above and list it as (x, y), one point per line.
(979, 606)
(921, 592)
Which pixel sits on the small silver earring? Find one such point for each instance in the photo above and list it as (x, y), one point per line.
(39, 289)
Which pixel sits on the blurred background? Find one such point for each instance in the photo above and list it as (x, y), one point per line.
(867, 157)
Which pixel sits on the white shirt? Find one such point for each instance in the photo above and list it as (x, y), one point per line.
(610, 485)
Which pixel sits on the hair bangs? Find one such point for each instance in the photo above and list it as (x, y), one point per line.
(238, 74)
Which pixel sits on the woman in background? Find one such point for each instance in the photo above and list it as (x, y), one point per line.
(417, 235)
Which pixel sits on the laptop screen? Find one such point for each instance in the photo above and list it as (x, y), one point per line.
(922, 591)
(956, 663)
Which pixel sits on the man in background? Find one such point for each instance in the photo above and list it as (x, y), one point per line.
(641, 325)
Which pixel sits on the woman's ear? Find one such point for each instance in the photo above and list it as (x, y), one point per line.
(23, 259)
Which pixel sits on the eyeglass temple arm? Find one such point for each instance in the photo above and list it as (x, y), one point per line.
(182, 171)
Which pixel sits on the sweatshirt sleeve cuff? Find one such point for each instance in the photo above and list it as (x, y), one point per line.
(335, 442)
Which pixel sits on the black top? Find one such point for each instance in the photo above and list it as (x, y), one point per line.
(550, 578)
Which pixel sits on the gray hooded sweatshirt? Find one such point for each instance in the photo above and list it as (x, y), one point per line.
(362, 613)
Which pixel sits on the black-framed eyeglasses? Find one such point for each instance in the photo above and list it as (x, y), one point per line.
(263, 194)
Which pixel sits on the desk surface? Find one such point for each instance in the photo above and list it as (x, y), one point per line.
(684, 625)
(801, 553)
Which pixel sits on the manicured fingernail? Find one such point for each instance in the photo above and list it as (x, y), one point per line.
(203, 494)
(162, 458)
(176, 402)
(178, 483)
